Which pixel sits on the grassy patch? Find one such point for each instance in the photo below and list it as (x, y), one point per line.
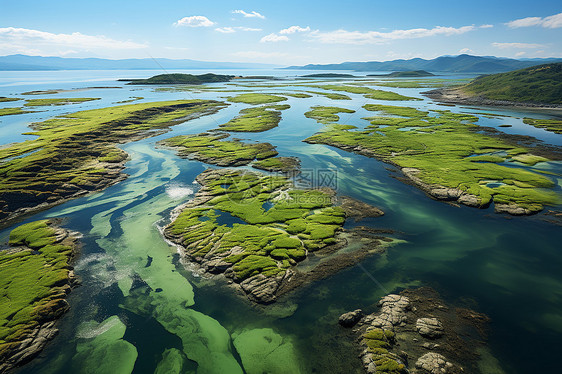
(326, 114)
(213, 149)
(34, 282)
(12, 111)
(369, 93)
(77, 153)
(278, 164)
(256, 98)
(552, 125)
(4, 99)
(280, 224)
(440, 147)
(60, 101)
(256, 119)
(330, 95)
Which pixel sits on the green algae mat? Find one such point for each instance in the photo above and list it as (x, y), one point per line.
(444, 154)
(35, 278)
(77, 153)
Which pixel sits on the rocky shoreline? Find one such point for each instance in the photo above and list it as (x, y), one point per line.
(457, 96)
(96, 151)
(416, 332)
(31, 337)
(266, 286)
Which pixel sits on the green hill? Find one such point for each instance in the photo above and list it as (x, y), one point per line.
(181, 79)
(537, 84)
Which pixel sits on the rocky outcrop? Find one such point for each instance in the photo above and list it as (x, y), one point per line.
(416, 332)
(429, 327)
(434, 363)
(350, 319)
(28, 336)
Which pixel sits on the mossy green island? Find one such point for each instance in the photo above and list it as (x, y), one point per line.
(256, 119)
(443, 154)
(77, 154)
(13, 111)
(552, 125)
(59, 101)
(326, 114)
(178, 78)
(256, 98)
(255, 228)
(369, 93)
(35, 278)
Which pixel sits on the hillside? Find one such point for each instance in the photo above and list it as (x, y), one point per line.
(452, 64)
(537, 84)
(181, 79)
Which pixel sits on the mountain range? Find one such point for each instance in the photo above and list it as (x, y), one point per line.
(23, 62)
(449, 64)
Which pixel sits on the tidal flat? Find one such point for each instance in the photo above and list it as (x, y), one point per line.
(179, 254)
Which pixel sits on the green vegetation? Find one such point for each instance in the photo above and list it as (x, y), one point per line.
(76, 153)
(553, 125)
(369, 93)
(182, 79)
(328, 75)
(278, 164)
(537, 84)
(210, 148)
(133, 98)
(61, 101)
(298, 95)
(256, 98)
(265, 241)
(12, 111)
(256, 119)
(438, 148)
(34, 282)
(329, 95)
(326, 114)
(404, 74)
(4, 99)
(379, 342)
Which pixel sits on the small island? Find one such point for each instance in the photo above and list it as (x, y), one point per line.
(178, 78)
(328, 75)
(404, 74)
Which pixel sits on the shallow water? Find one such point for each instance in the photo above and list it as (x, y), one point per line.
(508, 267)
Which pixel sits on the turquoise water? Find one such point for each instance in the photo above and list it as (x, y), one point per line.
(159, 313)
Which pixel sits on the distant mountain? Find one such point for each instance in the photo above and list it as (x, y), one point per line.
(23, 62)
(537, 84)
(446, 64)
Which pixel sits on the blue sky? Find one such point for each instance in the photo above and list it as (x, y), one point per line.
(281, 32)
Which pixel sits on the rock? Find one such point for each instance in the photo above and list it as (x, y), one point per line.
(350, 319)
(429, 327)
(393, 312)
(260, 288)
(470, 200)
(434, 363)
(512, 209)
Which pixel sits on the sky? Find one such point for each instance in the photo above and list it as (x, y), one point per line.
(285, 32)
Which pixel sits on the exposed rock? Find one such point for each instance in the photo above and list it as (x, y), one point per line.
(512, 209)
(393, 312)
(350, 319)
(429, 327)
(434, 363)
(358, 210)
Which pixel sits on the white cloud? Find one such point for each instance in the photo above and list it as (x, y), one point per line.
(550, 22)
(486, 26)
(466, 50)
(194, 21)
(376, 37)
(516, 45)
(230, 30)
(27, 41)
(294, 29)
(274, 38)
(252, 14)
(519, 54)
